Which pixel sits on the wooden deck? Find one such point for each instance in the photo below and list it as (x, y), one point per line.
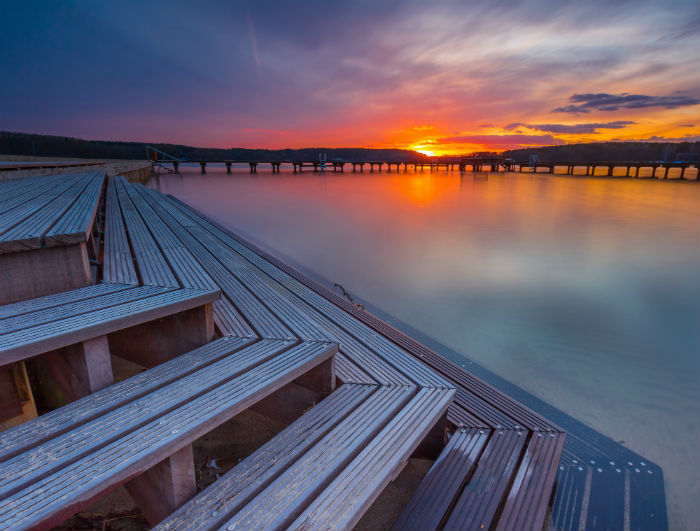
(396, 398)
(265, 298)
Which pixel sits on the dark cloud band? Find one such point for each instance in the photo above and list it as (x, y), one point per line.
(585, 103)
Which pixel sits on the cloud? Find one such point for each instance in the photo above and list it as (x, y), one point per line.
(502, 141)
(580, 129)
(584, 103)
(687, 125)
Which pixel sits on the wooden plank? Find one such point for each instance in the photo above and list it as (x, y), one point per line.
(188, 271)
(477, 505)
(29, 232)
(432, 500)
(20, 471)
(76, 224)
(118, 265)
(77, 482)
(71, 416)
(527, 502)
(349, 372)
(461, 418)
(24, 343)
(58, 299)
(30, 189)
(290, 492)
(345, 500)
(259, 316)
(152, 267)
(294, 316)
(75, 307)
(218, 502)
(229, 322)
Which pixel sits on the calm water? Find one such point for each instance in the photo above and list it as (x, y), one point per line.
(583, 291)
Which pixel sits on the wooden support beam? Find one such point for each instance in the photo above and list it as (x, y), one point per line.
(39, 272)
(16, 398)
(75, 371)
(162, 489)
(152, 343)
(434, 442)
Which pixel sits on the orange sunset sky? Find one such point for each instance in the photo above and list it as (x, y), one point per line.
(439, 77)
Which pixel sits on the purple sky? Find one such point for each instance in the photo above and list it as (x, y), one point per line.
(438, 76)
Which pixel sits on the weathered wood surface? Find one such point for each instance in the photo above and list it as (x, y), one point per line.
(43, 482)
(40, 272)
(87, 316)
(432, 500)
(46, 224)
(51, 215)
(118, 265)
(328, 465)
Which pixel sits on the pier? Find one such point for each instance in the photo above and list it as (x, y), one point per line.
(660, 170)
(222, 326)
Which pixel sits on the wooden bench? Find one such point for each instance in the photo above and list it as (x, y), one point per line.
(324, 470)
(46, 228)
(75, 331)
(138, 432)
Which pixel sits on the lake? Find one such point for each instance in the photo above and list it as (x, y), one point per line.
(583, 291)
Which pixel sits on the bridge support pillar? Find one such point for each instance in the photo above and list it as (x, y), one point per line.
(228, 167)
(204, 167)
(176, 165)
(253, 167)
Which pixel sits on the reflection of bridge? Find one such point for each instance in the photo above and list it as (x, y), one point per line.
(610, 166)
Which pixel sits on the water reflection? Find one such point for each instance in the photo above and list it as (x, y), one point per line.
(583, 291)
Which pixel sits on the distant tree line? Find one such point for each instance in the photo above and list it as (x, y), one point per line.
(612, 152)
(61, 146)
